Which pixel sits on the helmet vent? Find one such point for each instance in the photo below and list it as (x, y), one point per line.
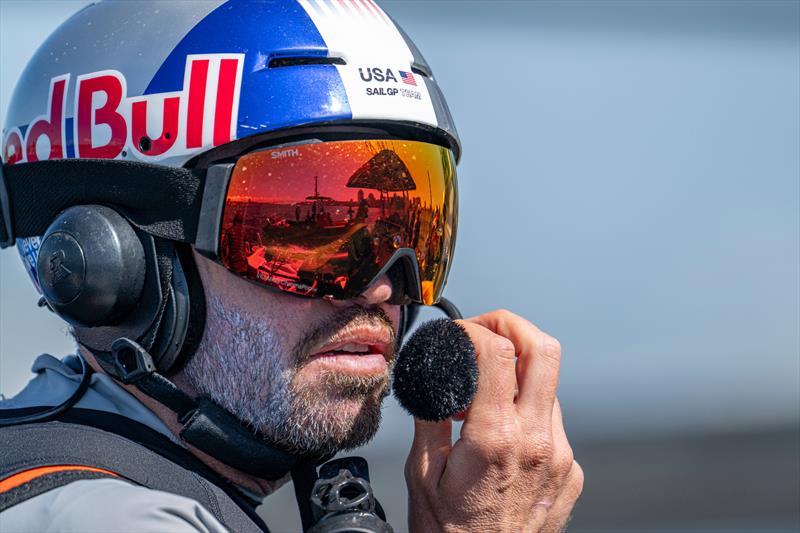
(421, 70)
(278, 62)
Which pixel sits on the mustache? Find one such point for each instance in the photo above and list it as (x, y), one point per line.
(349, 317)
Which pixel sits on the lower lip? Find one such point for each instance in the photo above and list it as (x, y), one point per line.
(360, 365)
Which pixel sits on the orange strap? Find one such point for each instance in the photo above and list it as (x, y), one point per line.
(15, 480)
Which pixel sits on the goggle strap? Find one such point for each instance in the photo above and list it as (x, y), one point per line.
(209, 220)
(162, 201)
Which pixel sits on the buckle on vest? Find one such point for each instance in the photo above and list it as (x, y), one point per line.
(131, 361)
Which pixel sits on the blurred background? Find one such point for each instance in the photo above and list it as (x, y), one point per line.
(631, 183)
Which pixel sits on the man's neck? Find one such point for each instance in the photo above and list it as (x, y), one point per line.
(253, 484)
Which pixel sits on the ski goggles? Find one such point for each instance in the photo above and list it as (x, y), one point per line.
(327, 219)
(321, 219)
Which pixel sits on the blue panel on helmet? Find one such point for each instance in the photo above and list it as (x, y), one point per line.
(269, 98)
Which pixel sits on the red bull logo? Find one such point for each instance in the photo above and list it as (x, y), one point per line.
(108, 124)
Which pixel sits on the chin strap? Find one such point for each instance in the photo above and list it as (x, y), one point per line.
(304, 476)
(205, 425)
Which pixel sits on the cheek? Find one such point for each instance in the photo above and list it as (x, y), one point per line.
(289, 317)
(256, 300)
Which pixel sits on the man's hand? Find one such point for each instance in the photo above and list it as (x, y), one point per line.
(513, 468)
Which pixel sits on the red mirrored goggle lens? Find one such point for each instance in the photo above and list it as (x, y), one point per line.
(327, 218)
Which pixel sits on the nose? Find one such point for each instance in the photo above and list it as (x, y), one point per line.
(378, 292)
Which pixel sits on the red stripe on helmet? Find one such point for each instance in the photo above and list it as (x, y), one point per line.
(225, 96)
(197, 98)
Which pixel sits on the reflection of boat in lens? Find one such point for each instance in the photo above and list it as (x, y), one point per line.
(316, 195)
(308, 234)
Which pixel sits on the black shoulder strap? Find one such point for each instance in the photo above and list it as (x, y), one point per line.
(40, 480)
(131, 450)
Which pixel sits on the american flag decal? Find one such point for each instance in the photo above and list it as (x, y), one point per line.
(407, 77)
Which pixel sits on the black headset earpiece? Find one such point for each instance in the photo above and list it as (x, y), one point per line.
(91, 266)
(102, 275)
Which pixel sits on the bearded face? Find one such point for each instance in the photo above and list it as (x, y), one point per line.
(309, 374)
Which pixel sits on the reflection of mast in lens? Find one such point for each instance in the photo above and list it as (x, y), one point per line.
(316, 195)
(318, 207)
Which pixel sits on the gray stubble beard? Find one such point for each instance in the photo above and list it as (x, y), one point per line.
(244, 365)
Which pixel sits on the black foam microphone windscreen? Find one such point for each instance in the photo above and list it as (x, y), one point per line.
(436, 373)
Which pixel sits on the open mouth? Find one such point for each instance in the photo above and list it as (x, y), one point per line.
(353, 348)
(360, 351)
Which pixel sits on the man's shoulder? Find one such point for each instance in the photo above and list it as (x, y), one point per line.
(56, 380)
(42, 389)
(108, 505)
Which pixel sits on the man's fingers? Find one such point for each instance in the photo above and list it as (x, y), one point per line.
(538, 365)
(559, 513)
(497, 381)
(555, 466)
(432, 435)
(562, 458)
(428, 456)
